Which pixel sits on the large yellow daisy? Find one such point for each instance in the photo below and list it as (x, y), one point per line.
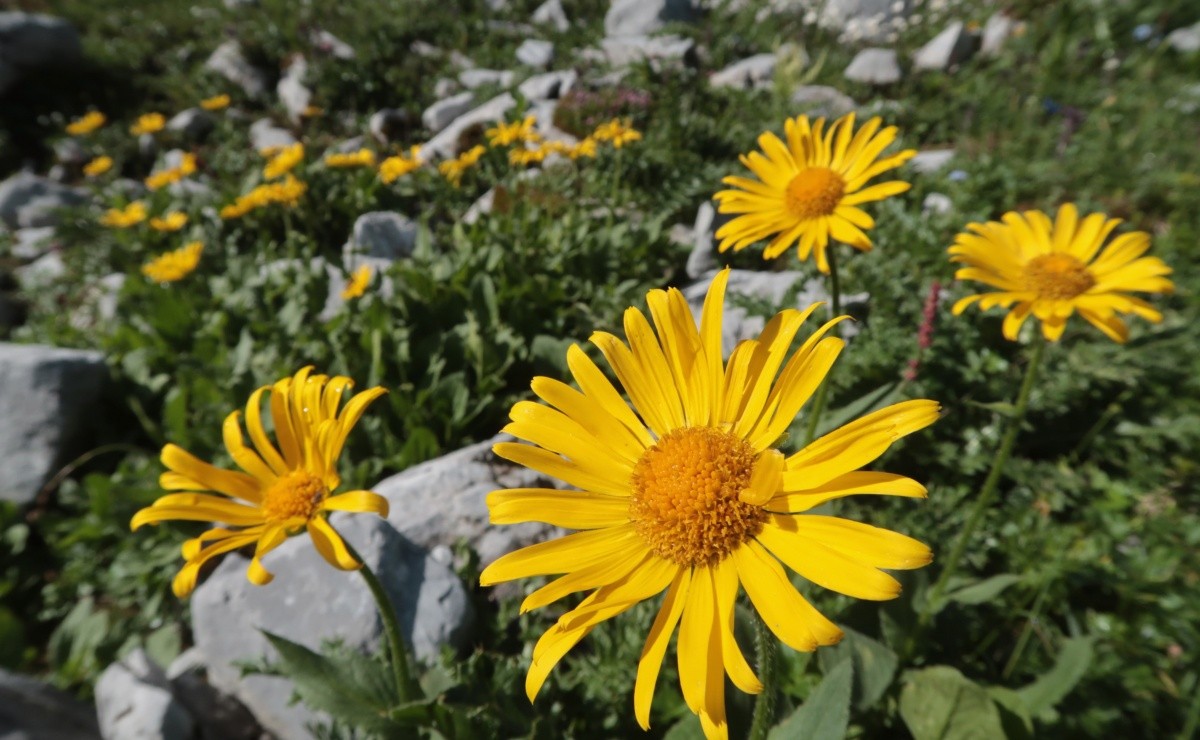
(809, 189)
(683, 491)
(282, 490)
(1052, 270)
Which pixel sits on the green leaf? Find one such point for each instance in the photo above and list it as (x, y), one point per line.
(1073, 661)
(874, 665)
(1003, 408)
(825, 714)
(687, 728)
(985, 590)
(939, 703)
(1014, 715)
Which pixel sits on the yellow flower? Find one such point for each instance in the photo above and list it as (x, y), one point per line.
(173, 221)
(1052, 270)
(682, 490)
(362, 158)
(285, 488)
(395, 167)
(283, 161)
(810, 188)
(175, 265)
(86, 124)
(159, 180)
(616, 131)
(312, 111)
(216, 102)
(585, 148)
(521, 156)
(453, 169)
(122, 218)
(98, 166)
(505, 134)
(356, 286)
(150, 123)
(285, 192)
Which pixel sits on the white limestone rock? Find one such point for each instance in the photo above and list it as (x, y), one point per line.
(535, 53)
(473, 78)
(753, 72)
(548, 86)
(134, 700)
(822, 101)
(641, 17)
(228, 61)
(439, 115)
(551, 13)
(293, 93)
(953, 46)
(875, 67)
(447, 142)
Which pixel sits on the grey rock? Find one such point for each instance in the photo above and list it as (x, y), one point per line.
(147, 146)
(931, 160)
(473, 78)
(220, 716)
(702, 258)
(752, 72)
(29, 244)
(71, 152)
(937, 203)
(1185, 40)
(444, 500)
(97, 305)
(31, 40)
(293, 93)
(548, 86)
(535, 53)
(640, 17)
(822, 101)
(460, 61)
(40, 273)
(383, 234)
(349, 146)
(48, 400)
(134, 700)
(658, 50)
(481, 207)
(995, 33)
(228, 611)
(193, 123)
(264, 134)
(25, 188)
(389, 124)
(871, 21)
(448, 141)
(43, 210)
(551, 13)
(31, 710)
(227, 60)
(424, 49)
(954, 45)
(326, 43)
(874, 67)
(445, 87)
(442, 113)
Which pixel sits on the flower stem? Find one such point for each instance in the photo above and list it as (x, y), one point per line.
(989, 487)
(405, 689)
(835, 300)
(766, 648)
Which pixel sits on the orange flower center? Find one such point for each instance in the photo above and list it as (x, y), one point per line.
(1058, 276)
(814, 192)
(296, 495)
(685, 501)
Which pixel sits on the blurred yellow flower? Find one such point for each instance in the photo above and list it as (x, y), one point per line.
(397, 166)
(122, 218)
(505, 134)
(312, 111)
(87, 123)
(356, 286)
(1052, 270)
(283, 161)
(617, 131)
(159, 180)
(453, 169)
(150, 123)
(287, 487)
(98, 166)
(173, 221)
(362, 158)
(175, 265)
(585, 148)
(809, 189)
(285, 192)
(216, 102)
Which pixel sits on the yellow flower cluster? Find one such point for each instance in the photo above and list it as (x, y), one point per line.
(173, 221)
(506, 134)
(287, 192)
(362, 158)
(216, 102)
(86, 124)
(453, 169)
(520, 156)
(174, 265)
(98, 166)
(618, 132)
(122, 218)
(283, 161)
(395, 167)
(159, 180)
(149, 123)
(356, 286)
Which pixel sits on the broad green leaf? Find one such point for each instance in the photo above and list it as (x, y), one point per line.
(825, 714)
(985, 590)
(1047, 691)
(1014, 715)
(874, 665)
(939, 703)
(687, 728)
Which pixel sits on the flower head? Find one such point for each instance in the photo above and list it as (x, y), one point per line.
(283, 161)
(173, 221)
(618, 132)
(163, 178)
(585, 148)
(809, 189)
(453, 169)
(356, 286)
(87, 123)
(287, 191)
(216, 102)
(362, 158)
(122, 218)
(149, 123)
(174, 266)
(98, 166)
(683, 491)
(1052, 270)
(395, 167)
(506, 134)
(285, 487)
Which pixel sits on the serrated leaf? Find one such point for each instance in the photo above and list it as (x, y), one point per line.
(874, 665)
(939, 703)
(825, 714)
(985, 590)
(1047, 691)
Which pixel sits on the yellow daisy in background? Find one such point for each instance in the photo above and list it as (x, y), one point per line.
(683, 491)
(585, 148)
(362, 158)
(1052, 270)
(506, 134)
(163, 178)
(173, 221)
(808, 189)
(87, 123)
(356, 286)
(618, 132)
(174, 266)
(216, 102)
(122, 218)
(285, 488)
(98, 166)
(283, 161)
(149, 123)
(453, 169)
(397, 166)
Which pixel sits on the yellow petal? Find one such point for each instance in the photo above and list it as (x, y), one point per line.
(725, 586)
(330, 544)
(208, 477)
(824, 566)
(357, 501)
(570, 509)
(562, 555)
(246, 458)
(655, 648)
(793, 620)
(850, 484)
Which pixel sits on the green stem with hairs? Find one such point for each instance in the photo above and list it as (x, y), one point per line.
(406, 689)
(766, 648)
(835, 300)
